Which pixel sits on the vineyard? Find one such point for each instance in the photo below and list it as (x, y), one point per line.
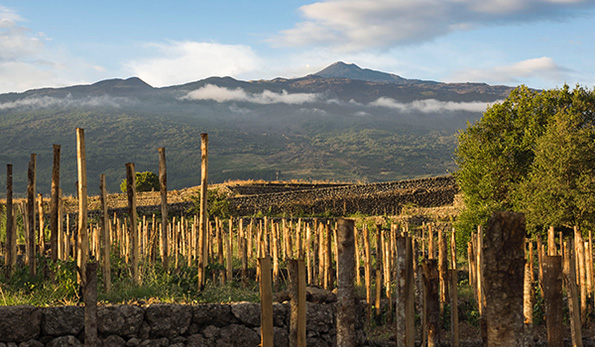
(285, 268)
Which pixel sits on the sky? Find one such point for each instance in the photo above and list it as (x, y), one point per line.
(539, 43)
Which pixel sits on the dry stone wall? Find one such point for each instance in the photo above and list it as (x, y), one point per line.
(371, 199)
(221, 325)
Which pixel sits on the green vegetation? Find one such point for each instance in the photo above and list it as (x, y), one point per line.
(532, 153)
(145, 182)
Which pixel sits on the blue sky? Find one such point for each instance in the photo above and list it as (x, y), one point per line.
(540, 43)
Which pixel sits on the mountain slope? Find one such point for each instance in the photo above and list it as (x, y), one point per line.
(354, 124)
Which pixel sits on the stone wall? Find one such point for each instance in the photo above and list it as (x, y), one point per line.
(371, 199)
(235, 324)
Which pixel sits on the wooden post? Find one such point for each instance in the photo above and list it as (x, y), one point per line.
(163, 191)
(367, 271)
(454, 309)
(203, 218)
(552, 293)
(504, 273)
(569, 273)
(528, 304)
(297, 292)
(41, 234)
(266, 302)
(54, 203)
(551, 242)
(479, 266)
(443, 268)
(90, 299)
(82, 250)
(134, 244)
(379, 268)
(11, 237)
(432, 301)
(405, 332)
(346, 313)
(105, 235)
(31, 214)
(579, 247)
(358, 277)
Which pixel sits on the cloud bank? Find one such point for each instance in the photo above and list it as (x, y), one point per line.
(69, 101)
(177, 62)
(352, 25)
(538, 67)
(221, 94)
(430, 105)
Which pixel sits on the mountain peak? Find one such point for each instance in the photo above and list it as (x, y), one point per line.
(132, 83)
(354, 72)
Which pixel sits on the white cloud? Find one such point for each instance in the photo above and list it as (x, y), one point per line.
(351, 25)
(177, 62)
(69, 101)
(221, 94)
(430, 105)
(544, 67)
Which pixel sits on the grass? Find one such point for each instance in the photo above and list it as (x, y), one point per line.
(56, 284)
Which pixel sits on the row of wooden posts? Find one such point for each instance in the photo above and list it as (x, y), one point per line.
(419, 262)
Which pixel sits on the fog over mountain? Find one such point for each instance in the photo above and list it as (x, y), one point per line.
(342, 123)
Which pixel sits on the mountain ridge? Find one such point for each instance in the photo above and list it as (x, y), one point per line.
(308, 128)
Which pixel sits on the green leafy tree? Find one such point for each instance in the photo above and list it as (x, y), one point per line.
(521, 151)
(145, 182)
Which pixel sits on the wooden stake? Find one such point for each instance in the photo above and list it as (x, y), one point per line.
(163, 193)
(10, 259)
(134, 237)
(552, 293)
(266, 302)
(432, 300)
(569, 273)
(82, 249)
(90, 299)
(202, 231)
(54, 203)
(454, 309)
(31, 215)
(346, 305)
(105, 233)
(504, 273)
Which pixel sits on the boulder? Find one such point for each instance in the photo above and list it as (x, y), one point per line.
(63, 320)
(168, 320)
(114, 341)
(19, 323)
(247, 313)
(121, 320)
(238, 335)
(65, 341)
(213, 314)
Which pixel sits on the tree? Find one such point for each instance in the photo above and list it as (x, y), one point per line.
(145, 182)
(520, 152)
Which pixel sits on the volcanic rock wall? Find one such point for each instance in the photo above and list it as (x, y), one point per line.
(222, 325)
(371, 199)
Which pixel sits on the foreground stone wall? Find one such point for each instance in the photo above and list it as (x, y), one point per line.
(235, 324)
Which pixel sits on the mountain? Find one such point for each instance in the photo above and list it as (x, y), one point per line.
(341, 123)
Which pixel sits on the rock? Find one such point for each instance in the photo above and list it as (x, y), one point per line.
(280, 337)
(133, 342)
(121, 320)
(114, 341)
(63, 320)
(211, 332)
(65, 341)
(247, 313)
(19, 323)
(238, 335)
(213, 314)
(162, 342)
(196, 340)
(168, 320)
(320, 318)
(320, 295)
(281, 314)
(31, 343)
